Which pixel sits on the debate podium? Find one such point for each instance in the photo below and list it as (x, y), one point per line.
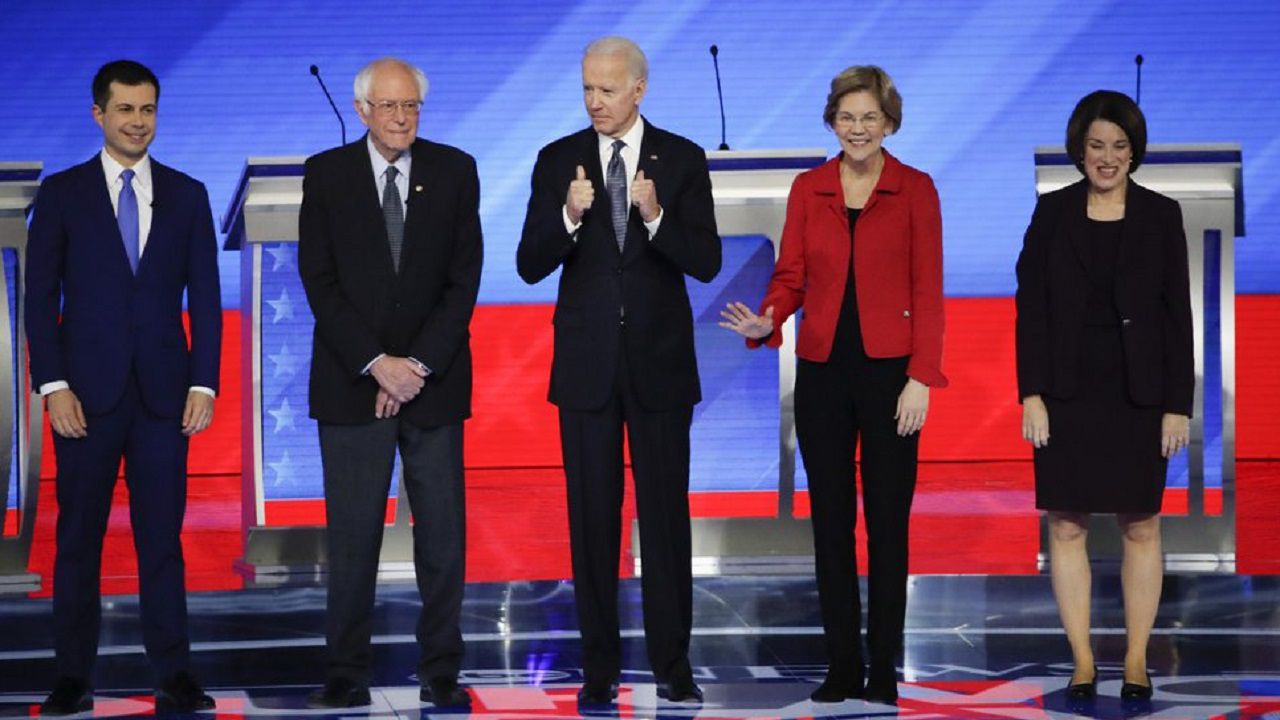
(1207, 181)
(282, 486)
(20, 411)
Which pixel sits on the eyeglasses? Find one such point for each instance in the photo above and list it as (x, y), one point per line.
(870, 120)
(389, 107)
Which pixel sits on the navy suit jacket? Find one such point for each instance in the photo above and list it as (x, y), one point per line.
(91, 322)
(647, 278)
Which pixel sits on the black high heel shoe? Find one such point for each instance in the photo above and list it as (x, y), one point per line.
(1085, 690)
(1133, 692)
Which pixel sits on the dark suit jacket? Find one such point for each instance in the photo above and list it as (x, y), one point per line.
(362, 307)
(1152, 294)
(646, 278)
(92, 322)
(897, 267)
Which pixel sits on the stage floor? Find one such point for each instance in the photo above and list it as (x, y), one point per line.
(976, 646)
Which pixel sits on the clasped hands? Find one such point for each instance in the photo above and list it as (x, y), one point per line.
(399, 381)
(913, 401)
(582, 193)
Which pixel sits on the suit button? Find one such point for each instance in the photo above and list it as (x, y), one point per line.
(906, 313)
(1125, 321)
(619, 271)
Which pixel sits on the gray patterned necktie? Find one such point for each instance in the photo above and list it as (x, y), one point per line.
(616, 180)
(393, 214)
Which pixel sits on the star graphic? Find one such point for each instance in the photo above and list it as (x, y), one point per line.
(284, 471)
(286, 362)
(284, 416)
(281, 256)
(283, 307)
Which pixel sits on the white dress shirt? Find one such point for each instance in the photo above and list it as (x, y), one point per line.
(144, 191)
(631, 161)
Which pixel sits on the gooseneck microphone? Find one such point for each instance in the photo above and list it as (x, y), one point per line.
(315, 70)
(1138, 95)
(715, 52)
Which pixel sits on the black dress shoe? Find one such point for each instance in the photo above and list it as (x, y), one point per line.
(1133, 692)
(1086, 690)
(70, 695)
(882, 687)
(339, 693)
(838, 687)
(680, 688)
(180, 694)
(598, 692)
(445, 692)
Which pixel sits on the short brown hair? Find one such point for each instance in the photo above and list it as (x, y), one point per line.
(1113, 107)
(865, 78)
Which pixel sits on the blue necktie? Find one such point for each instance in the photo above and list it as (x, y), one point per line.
(127, 219)
(393, 215)
(616, 180)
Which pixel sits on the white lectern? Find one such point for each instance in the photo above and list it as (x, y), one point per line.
(20, 447)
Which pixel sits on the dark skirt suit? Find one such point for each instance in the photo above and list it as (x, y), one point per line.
(1104, 337)
(870, 282)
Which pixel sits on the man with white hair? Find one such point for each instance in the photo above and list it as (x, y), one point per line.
(389, 249)
(625, 209)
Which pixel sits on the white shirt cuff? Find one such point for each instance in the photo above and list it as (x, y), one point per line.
(369, 367)
(203, 389)
(570, 226)
(652, 227)
(52, 387)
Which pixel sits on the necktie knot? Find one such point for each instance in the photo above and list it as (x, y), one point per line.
(617, 147)
(392, 172)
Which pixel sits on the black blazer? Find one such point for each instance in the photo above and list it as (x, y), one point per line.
(646, 278)
(1152, 294)
(362, 307)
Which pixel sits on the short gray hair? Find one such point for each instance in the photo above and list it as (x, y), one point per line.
(637, 63)
(364, 78)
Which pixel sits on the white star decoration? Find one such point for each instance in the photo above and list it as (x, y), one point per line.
(281, 256)
(286, 362)
(283, 307)
(284, 471)
(284, 416)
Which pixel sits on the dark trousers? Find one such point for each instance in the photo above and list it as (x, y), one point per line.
(358, 461)
(155, 455)
(592, 446)
(839, 404)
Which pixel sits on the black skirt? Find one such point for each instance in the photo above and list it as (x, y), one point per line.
(1103, 454)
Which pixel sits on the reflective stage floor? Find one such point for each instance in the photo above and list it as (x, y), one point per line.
(976, 647)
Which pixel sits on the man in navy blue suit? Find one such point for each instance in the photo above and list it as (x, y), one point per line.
(114, 243)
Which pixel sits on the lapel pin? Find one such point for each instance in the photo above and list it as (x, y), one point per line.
(417, 188)
(653, 157)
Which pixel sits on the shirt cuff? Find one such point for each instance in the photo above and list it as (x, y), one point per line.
(202, 389)
(420, 365)
(369, 367)
(570, 226)
(652, 227)
(52, 387)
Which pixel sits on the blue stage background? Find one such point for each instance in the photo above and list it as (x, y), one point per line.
(983, 82)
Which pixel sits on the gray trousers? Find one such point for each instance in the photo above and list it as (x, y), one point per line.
(358, 461)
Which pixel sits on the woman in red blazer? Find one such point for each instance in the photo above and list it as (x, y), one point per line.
(1105, 370)
(862, 254)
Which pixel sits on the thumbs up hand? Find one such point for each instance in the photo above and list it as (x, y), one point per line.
(581, 195)
(644, 195)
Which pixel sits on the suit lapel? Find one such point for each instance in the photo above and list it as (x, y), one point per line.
(1130, 248)
(653, 161)
(367, 204)
(1077, 222)
(101, 214)
(422, 184)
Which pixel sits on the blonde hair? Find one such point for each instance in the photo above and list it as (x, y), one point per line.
(865, 78)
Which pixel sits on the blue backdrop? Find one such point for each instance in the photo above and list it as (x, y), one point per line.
(983, 82)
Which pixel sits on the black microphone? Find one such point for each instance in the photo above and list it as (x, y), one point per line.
(1138, 61)
(315, 70)
(715, 51)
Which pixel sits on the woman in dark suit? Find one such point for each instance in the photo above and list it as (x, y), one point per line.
(862, 253)
(1105, 370)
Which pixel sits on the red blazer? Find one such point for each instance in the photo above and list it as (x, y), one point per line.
(898, 267)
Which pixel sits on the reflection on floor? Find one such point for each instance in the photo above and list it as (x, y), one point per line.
(976, 647)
